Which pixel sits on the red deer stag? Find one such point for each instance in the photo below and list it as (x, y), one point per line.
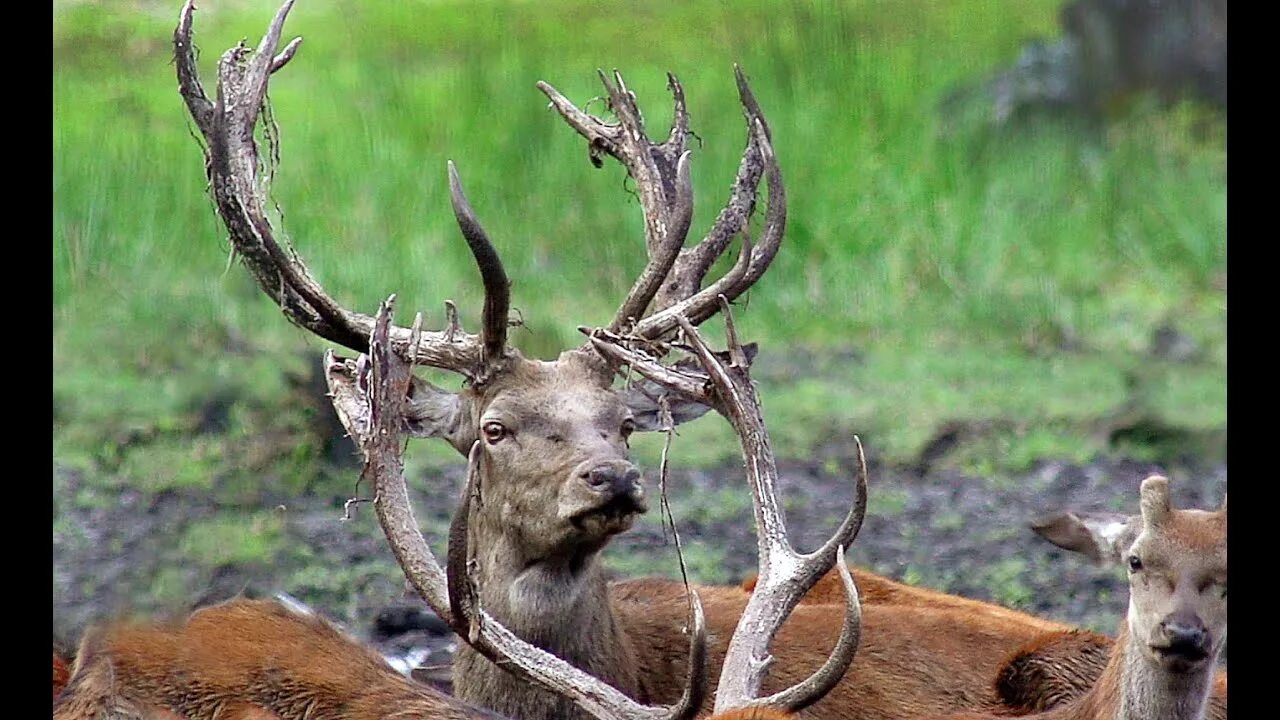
(547, 441)
(248, 659)
(1161, 666)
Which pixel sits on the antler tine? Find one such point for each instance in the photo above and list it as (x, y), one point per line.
(369, 395)
(785, 575)
(188, 79)
(497, 288)
(671, 280)
(679, 132)
(660, 171)
(239, 188)
(692, 265)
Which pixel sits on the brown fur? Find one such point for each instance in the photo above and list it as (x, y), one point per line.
(1052, 669)
(61, 673)
(278, 664)
(911, 661)
(243, 659)
(876, 589)
(252, 660)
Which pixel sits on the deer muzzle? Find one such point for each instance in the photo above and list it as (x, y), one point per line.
(1182, 642)
(603, 498)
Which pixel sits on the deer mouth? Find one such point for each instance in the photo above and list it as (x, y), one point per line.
(1180, 657)
(611, 517)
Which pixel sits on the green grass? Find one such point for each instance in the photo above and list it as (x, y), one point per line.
(1013, 275)
(232, 539)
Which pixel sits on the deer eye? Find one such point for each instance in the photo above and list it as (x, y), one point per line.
(1135, 564)
(493, 431)
(628, 427)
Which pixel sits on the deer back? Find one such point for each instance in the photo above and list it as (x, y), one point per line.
(243, 659)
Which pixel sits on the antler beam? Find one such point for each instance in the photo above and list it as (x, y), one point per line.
(234, 169)
(785, 575)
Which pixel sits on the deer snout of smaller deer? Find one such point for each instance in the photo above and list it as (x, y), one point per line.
(602, 498)
(1181, 641)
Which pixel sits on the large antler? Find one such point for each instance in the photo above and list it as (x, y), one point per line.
(370, 395)
(235, 172)
(672, 279)
(784, 574)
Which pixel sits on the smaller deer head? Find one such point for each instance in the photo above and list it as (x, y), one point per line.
(1177, 565)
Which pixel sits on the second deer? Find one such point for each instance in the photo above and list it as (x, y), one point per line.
(1161, 666)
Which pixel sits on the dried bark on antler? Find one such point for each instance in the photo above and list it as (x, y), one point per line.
(236, 178)
(671, 283)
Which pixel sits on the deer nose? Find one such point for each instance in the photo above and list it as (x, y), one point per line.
(612, 478)
(1183, 634)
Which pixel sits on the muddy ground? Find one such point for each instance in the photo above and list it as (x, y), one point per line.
(119, 553)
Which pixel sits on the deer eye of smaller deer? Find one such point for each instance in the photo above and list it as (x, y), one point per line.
(628, 427)
(1219, 586)
(494, 431)
(1135, 563)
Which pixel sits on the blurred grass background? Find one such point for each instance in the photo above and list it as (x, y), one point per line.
(935, 270)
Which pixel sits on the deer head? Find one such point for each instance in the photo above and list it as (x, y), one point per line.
(1177, 565)
(1162, 663)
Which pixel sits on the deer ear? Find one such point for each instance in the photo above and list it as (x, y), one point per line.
(642, 399)
(1100, 536)
(429, 411)
(642, 396)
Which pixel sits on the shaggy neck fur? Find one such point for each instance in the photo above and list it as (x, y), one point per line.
(1149, 692)
(561, 606)
(1133, 687)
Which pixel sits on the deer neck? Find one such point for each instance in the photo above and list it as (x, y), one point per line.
(561, 606)
(1138, 689)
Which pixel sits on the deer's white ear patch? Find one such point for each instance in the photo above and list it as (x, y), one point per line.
(1111, 530)
(1099, 536)
(405, 662)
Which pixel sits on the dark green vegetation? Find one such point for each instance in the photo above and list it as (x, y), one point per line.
(964, 299)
